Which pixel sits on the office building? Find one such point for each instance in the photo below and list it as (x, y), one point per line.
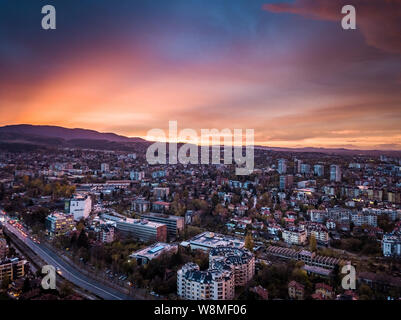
(80, 206)
(174, 224)
(141, 229)
(59, 223)
(209, 240)
(147, 254)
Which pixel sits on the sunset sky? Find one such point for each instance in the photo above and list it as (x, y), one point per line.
(283, 68)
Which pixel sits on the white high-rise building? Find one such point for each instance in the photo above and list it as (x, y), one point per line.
(335, 173)
(104, 167)
(80, 207)
(282, 166)
(318, 170)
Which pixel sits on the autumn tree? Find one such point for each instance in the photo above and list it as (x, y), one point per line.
(249, 242)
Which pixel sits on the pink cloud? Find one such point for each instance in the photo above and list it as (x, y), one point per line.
(378, 20)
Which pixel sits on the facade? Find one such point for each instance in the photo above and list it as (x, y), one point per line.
(286, 182)
(104, 167)
(140, 205)
(80, 207)
(3, 248)
(241, 262)
(391, 245)
(294, 235)
(319, 231)
(106, 233)
(161, 193)
(318, 170)
(335, 173)
(282, 166)
(174, 224)
(137, 175)
(296, 290)
(228, 267)
(305, 168)
(143, 256)
(193, 284)
(360, 219)
(141, 229)
(58, 223)
(13, 269)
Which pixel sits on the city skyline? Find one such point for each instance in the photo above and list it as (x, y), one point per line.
(286, 69)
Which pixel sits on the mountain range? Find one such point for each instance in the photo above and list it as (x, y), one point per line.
(39, 136)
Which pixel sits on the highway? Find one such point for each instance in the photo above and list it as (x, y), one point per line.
(68, 272)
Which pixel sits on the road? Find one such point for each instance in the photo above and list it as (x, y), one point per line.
(66, 271)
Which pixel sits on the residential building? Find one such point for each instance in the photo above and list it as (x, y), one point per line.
(140, 205)
(241, 262)
(305, 168)
(13, 268)
(228, 267)
(286, 182)
(294, 235)
(3, 248)
(335, 173)
(282, 166)
(391, 244)
(106, 233)
(323, 292)
(296, 290)
(104, 167)
(318, 170)
(193, 284)
(137, 175)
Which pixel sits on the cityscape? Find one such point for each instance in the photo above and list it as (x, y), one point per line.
(98, 201)
(116, 227)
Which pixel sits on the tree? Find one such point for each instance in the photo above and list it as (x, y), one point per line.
(83, 240)
(249, 242)
(312, 243)
(6, 282)
(27, 285)
(66, 289)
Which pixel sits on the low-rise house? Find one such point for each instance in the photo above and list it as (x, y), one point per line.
(296, 290)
